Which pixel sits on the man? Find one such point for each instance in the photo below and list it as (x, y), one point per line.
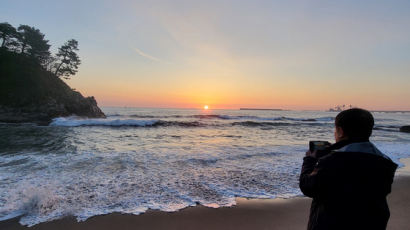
(349, 180)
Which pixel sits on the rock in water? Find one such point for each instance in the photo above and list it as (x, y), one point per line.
(405, 129)
(29, 93)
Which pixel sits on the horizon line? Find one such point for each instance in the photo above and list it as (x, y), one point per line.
(267, 109)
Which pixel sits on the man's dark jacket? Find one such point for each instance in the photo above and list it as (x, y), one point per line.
(349, 185)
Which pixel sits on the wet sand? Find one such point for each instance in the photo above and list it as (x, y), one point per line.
(252, 214)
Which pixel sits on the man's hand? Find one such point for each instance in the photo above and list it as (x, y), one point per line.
(311, 154)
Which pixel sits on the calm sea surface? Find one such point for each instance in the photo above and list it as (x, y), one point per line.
(166, 159)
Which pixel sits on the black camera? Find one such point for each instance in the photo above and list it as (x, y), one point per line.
(318, 145)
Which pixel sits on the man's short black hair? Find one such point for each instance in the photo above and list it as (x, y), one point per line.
(356, 123)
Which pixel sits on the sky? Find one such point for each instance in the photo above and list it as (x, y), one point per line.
(231, 54)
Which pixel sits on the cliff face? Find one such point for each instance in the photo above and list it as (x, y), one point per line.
(28, 93)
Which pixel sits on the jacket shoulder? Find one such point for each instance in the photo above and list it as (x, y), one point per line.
(357, 160)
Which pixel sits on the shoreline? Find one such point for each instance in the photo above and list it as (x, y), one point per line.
(246, 214)
(276, 213)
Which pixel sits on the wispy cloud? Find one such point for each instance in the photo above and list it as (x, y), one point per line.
(146, 55)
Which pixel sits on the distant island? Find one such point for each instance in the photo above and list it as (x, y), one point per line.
(260, 109)
(30, 86)
(339, 108)
(391, 111)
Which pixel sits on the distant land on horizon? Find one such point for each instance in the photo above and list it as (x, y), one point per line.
(267, 109)
(260, 109)
(390, 111)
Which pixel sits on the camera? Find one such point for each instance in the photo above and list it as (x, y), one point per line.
(318, 145)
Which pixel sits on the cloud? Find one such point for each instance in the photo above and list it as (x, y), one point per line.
(146, 55)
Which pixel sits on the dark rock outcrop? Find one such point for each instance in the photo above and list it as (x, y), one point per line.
(29, 93)
(43, 113)
(405, 129)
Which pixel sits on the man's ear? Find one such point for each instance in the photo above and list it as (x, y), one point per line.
(339, 132)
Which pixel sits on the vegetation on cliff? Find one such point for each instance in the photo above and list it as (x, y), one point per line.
(30, 87)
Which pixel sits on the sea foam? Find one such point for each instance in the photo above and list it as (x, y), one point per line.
(76, 121)
(137, 121)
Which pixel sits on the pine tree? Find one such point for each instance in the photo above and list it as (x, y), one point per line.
(68, 60)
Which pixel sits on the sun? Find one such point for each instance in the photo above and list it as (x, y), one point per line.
(206, 107)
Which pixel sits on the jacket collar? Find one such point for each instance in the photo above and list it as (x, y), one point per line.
(357, 145)
(343, 143)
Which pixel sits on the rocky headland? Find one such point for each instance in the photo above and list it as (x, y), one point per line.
(29, 93)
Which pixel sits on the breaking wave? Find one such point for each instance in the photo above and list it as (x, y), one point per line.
(249, 121)
(73, 122)
(224, 117)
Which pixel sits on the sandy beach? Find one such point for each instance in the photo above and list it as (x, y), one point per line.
(247, 214)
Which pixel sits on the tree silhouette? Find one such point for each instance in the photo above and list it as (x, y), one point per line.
(67, 59)
(29, 41)
(33, 43)
(8, 34)
(50, 63)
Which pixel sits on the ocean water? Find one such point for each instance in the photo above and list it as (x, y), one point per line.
(164, 159)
